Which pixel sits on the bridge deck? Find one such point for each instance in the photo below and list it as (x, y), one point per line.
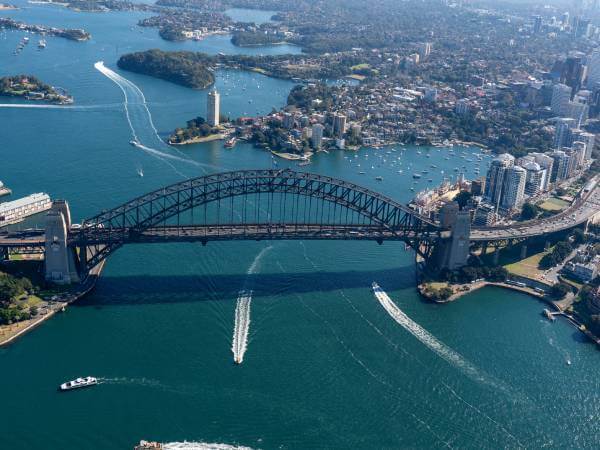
(194, 233)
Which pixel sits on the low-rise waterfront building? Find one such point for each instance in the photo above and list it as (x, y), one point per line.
(17, 210)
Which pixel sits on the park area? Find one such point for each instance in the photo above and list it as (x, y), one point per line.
(529, 267)
(554, 204)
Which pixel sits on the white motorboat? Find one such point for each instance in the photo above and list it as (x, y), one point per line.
(79, 383)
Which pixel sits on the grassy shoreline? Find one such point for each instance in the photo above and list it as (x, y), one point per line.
(200, 139)
(10, 333)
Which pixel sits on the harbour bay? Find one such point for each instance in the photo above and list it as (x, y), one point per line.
(326, 366)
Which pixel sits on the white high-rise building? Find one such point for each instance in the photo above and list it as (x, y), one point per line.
(561, 95)
(578, 112)
(593, 64)
(213, 108)
(425, 50)
(545, 162)
(514, 188)
(317, 135)
(590, 142)
(579, 151)
(562, 134)
(560, 167)
(535, 179)
(339, 125)
(495, 178)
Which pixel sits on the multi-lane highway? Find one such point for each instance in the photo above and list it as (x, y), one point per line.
(583, 208)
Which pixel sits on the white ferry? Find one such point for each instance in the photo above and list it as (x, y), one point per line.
(17, 210)
(78, 383)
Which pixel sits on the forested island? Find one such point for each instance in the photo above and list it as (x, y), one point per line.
(72, 34)
(178, 67)
(31, 88)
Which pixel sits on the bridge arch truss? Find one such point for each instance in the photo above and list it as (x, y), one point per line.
(251, 205)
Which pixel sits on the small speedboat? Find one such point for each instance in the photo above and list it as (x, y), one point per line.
(134, 143)
(78, 383)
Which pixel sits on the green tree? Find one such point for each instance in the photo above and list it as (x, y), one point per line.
(529, 211)
(560, 290)
(445, 293)
(462, 198)
(579, 236)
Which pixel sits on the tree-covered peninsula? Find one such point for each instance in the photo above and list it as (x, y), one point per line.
(195, 69)
(176, 67)
(197, 130)
(251, 39)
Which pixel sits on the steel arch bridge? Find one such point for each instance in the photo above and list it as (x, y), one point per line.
(253, 205)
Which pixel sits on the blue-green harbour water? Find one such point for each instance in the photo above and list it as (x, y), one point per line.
(326, 365)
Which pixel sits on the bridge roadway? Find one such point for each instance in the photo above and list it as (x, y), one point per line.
(221, 232)
(582, 210)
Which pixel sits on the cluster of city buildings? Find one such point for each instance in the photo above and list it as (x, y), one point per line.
(510, 181)
(578, 26)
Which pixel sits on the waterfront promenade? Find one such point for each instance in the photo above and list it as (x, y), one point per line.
(58, 303)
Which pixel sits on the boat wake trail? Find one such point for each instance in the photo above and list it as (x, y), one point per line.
(427, 338)
(72, 108)
(546, 327)
(144, 132)
(241, 327)
(201, 446)
(146, 382)
(242, 313)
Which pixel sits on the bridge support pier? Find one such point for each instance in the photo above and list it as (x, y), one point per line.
(523, 251)
(4, 254)
(455, 252)
(496, 256)
(60, 265)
